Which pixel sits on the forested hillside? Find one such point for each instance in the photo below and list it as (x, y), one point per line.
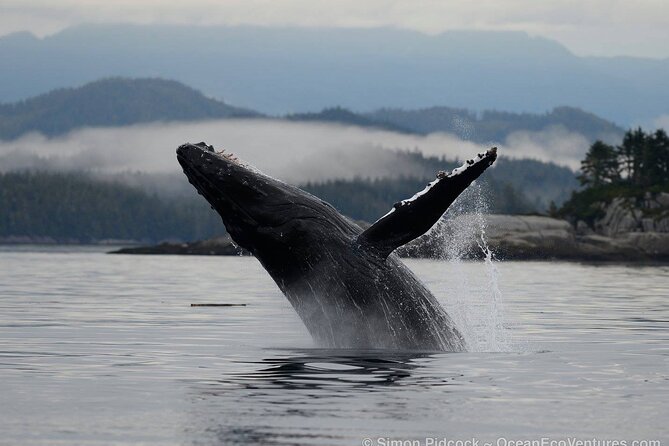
(76, 208)
(535, 183)
(492, 125)
(368, 200)
(344, 116)
(485, 127)
(510, 187)
(634, 170)
(111, 102)
(541, 183)
(119, 101)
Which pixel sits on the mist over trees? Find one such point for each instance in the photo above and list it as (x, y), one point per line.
(370, 199)
(78, 208)
(539, 183)
(75, 207)
(510, 187)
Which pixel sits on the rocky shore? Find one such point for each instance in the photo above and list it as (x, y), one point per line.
(536, 237)
(219, 246)
(628, 230)
(626, 233)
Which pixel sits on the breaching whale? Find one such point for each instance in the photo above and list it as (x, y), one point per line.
(346, 285)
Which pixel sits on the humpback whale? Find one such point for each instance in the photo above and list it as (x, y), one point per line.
(346, 284)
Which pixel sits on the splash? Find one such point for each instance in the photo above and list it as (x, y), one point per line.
(475, 305)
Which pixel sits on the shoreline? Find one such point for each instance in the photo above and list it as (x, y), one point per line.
(510, 238)
(152, 251)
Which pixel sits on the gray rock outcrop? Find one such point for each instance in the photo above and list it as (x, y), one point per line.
(625, 233)
(625, 215)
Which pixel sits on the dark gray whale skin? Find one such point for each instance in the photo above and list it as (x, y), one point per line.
(345, 284)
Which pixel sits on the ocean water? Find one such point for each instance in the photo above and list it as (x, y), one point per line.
(105, 349)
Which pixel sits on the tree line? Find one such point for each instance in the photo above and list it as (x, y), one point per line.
(640, 161)
(369, 199)
(71, 207)
(638, 165)
(75, 207)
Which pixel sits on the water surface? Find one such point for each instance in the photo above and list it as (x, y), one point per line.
(101, 349)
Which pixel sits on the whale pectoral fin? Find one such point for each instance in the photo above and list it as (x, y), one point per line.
(412, 218)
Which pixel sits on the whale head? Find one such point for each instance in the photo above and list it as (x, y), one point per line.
(262, 214)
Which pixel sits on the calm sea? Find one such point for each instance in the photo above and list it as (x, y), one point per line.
(106, 349)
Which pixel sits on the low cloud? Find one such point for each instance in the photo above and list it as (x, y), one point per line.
(293, 151)
(555, 144)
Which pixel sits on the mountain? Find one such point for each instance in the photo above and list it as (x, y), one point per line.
(344, 116)
(111, 102)
(122, 101)
(485, 127)
(492, 125)
(286, 70)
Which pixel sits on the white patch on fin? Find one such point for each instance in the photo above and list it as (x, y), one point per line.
(441, 176)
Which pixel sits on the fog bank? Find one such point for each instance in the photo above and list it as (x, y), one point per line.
(293, 151)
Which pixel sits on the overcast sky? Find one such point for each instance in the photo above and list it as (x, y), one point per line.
(587, 27)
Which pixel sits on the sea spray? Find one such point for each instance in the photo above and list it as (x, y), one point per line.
(476, 305)
(497, 339)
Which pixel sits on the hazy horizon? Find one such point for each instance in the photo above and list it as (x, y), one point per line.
(588, 28)
(292, 70)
